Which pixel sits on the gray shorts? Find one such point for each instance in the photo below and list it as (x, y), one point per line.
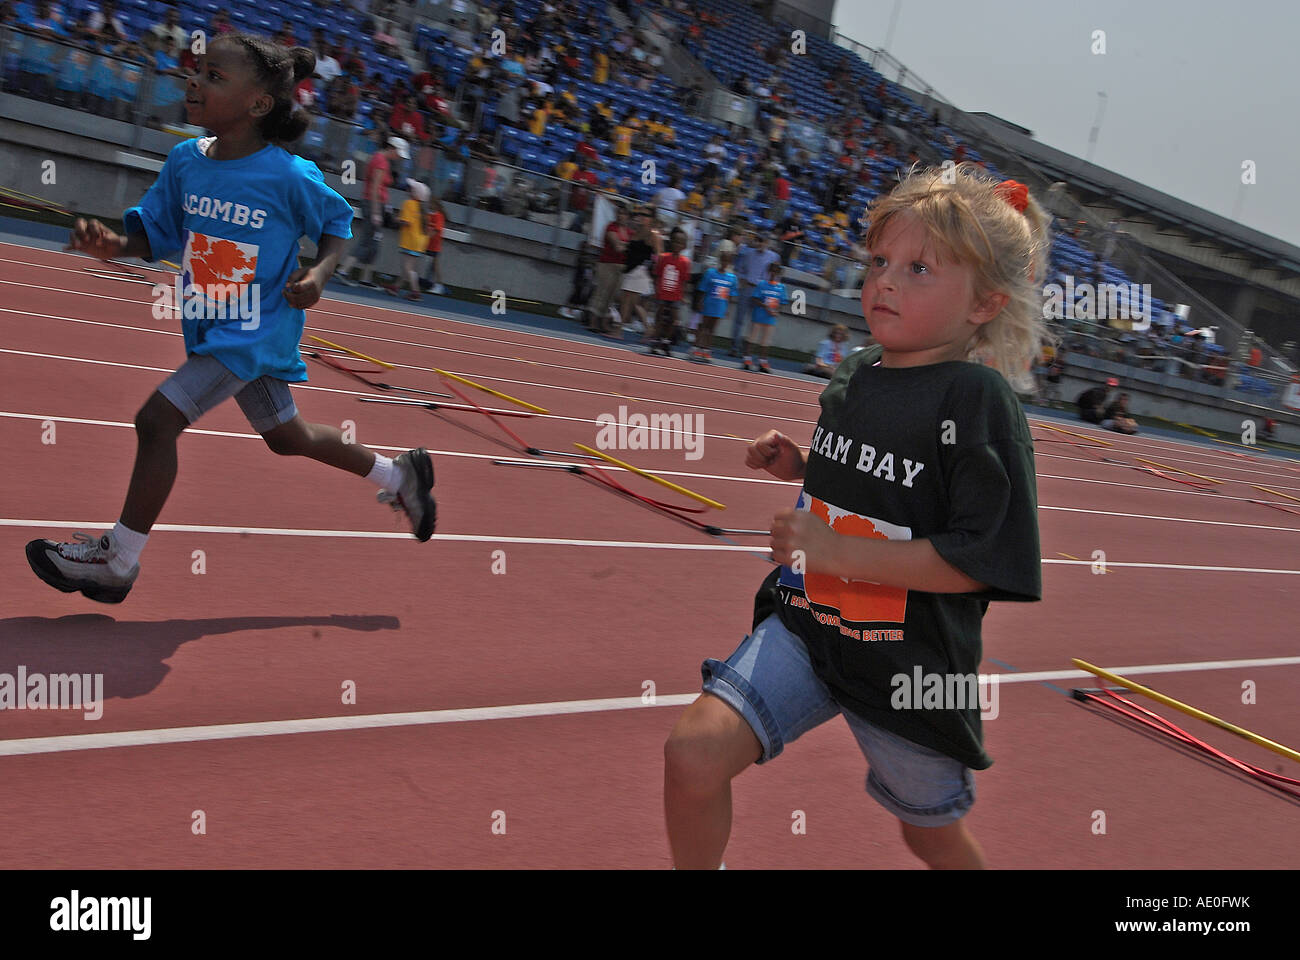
(203, 383)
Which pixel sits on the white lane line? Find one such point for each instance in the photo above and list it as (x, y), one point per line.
(478, 354)
(1275, 478)
(272, 728)
(804, 388)
(198, 431)
(391, 535)
(556, 541)
(696, 476)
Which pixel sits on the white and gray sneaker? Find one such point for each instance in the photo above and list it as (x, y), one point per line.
(82, 565)
(413, 496)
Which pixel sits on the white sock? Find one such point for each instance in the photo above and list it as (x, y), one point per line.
(127, 547)
(385, 474)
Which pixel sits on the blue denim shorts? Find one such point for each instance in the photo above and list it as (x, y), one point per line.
(203, 383)
(770, 682)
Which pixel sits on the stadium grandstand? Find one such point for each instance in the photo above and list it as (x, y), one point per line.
(533, 120)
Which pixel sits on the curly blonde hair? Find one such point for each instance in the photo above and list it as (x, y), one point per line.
(963, 208)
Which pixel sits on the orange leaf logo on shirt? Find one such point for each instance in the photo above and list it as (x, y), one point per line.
(859, 601)
(211, 261)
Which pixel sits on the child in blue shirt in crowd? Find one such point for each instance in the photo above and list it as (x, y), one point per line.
(719, 285)
(236, 204)
(768, 298)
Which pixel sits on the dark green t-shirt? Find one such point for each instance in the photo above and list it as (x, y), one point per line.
(940, 452)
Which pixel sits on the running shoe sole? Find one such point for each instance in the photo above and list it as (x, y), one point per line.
(420, 461)
(39, 561)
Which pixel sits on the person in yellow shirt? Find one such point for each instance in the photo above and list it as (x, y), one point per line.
(623, 138)
(694, 202)
(601, 72)
(566, 168)
(537, 126)
(412, 239)
(605, 111)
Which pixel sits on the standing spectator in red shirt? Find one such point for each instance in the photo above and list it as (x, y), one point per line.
(781, 195)
(672, 272)
(433, 227)
(583, 180)
(609, 270)
(379, 177)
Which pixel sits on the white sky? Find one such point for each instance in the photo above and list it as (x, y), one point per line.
(1193, 87)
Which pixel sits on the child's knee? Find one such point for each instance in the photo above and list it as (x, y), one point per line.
(940, 847)
(159, 421)
(286, 440)
(708, 746)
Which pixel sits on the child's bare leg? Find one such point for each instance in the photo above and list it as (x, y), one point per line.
(320, 442)
(950, 847)
(157, 426)
(704, 335)
(710, 744)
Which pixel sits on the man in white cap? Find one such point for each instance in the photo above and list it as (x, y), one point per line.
(379, 177)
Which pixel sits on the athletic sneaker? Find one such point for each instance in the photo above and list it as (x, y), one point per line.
(344, 279)
(745, 364)
(82, 565)
(439, 289)
(763, 367)
(416, 467)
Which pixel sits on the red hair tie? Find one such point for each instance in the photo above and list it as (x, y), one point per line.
(1014, 193)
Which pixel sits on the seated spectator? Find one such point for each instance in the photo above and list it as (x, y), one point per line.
(169, 32)
(343, 97)
(106, 24)
(588, 153)
(1092, 402)
(327, 66)
(622, 139)
(666, 200)
(406, 120)
(567, 167)
(829, 353)
(386, 43)
(1118, 418)
(286, 36)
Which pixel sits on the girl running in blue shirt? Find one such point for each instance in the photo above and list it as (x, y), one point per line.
(236, 204)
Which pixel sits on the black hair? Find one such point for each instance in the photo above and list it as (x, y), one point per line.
(278, 70)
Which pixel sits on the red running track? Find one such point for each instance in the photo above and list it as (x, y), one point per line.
(310, 585)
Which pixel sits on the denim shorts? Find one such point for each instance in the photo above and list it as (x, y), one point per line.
(770, 682)
(203, 383)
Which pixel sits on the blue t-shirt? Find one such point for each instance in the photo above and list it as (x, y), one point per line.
(719, 290)
(74, 71)
(764, 292)
(238, 221)
(127, 81)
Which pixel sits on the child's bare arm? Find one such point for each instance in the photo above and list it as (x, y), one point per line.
(778, 455)
(92, 237)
